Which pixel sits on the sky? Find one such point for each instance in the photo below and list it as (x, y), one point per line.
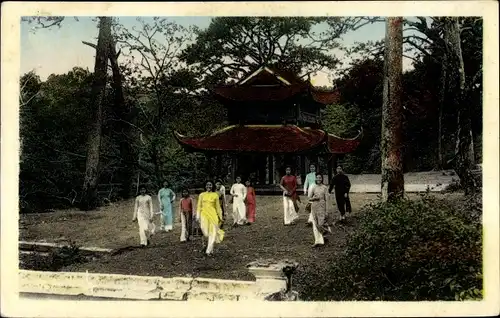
(58, 50)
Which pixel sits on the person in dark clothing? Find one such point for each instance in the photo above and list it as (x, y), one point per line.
(342, 185)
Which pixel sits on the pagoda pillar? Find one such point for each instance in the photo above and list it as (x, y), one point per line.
(277, 169)
(303, 169)
(339, 161)
(262, 169)
(270, 169)
(335, 163)
(307, 164)
(329, 164)
(314, 160)
(218, 165)
(208, 166)
(234, 163)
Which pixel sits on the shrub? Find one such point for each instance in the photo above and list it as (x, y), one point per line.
(454, 186)
(426, 249)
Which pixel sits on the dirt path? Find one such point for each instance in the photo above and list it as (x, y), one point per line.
(111, 227)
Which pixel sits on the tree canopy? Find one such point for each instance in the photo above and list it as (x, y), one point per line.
(167, 72)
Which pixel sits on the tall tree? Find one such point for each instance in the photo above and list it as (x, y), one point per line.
(392, 119)
(90, 196)
(464, 152)
(120, 112)
(231, 47)
(122, 116)
(153, 50)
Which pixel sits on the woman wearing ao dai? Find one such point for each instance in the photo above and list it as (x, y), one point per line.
(318, 197)
(209, 214)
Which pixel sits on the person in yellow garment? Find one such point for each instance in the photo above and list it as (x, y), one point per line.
(209, 216)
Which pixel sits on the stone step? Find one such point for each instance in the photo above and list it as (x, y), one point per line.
(46, 247)
(133, 287)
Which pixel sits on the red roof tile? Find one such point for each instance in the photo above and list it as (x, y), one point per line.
(267, 139)
(342, 145)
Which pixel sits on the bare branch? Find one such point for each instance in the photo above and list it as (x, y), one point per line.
(64, 152)
(411, 58)
(90, 44)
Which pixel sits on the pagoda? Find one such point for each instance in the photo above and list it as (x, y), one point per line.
(274, 120)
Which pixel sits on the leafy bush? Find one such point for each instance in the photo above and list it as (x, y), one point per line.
(454, 186)
(426, 249)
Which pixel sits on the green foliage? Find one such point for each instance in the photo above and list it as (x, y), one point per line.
(232, 46)
(52, 130)
(361, 90)
(427, 249)
(167, 72)
(341, 120)
(344, 121)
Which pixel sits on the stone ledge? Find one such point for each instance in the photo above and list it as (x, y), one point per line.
(134, 287)
(375, 188)
(46, 247)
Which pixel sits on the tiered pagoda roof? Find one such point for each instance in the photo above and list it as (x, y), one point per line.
(266, 84)
(270, 139)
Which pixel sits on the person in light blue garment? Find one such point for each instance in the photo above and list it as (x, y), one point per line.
(166, 198)
(309, 183)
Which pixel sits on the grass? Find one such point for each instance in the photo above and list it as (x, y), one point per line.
(111, 227)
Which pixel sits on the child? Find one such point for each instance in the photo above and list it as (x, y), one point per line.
(143, 213)
(250, 202)
(186, 211)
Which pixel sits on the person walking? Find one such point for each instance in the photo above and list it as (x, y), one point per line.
(143, 215)
(239, 195)
(318, 196)
(341, 184)
(209, 216)
(309, 183)
(186, 211)
(288, 184)
(166, 198)
(250, 202)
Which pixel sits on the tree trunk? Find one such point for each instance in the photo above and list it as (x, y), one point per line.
(90, 198)
(123, 127)
(464, 151)
(270, 169)
(440, 159)
(392, 119)
(155, 160)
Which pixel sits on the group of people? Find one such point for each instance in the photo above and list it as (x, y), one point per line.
(317, 200)
(209, 213)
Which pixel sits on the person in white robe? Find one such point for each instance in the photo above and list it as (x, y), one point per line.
(318, 197)
(143, 214)
(309, 184)
(239, 193)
